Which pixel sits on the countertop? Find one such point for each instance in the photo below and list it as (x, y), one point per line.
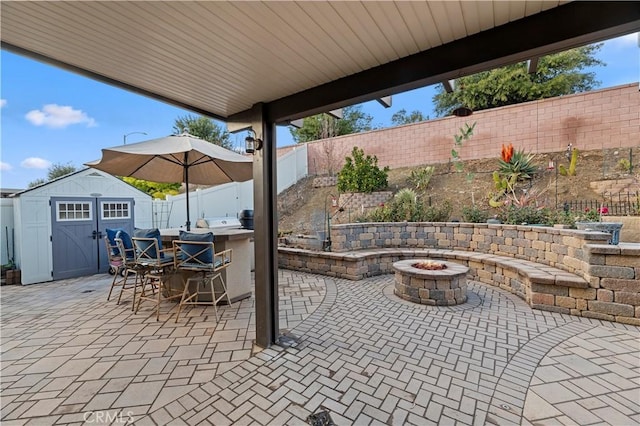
(223, 234)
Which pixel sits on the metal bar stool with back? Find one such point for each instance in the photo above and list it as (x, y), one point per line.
(128, 254)
(195, 254)
(157, 264)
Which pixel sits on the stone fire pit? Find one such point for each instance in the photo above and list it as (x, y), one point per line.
(432, 286)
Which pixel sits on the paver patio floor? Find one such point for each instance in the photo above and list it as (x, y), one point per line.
(363, 355)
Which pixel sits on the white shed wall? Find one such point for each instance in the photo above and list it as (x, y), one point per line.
(6, 230)
(32, 216)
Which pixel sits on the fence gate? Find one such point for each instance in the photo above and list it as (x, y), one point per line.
(77, 227)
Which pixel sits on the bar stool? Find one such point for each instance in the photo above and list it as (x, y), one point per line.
(127, 253)
(116, 266)
(201, 259)
(157, 265)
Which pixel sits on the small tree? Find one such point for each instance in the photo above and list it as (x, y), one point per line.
(361, 173)
(58, 170)
(465, 134)
(557, 74)
(203, 128)
(323, 126)
(55, 171)
(333, 155)
(402, 117)
(36, 182)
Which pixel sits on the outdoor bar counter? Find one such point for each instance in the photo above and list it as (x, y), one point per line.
(237, 276)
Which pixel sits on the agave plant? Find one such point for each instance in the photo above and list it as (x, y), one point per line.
(519, 165)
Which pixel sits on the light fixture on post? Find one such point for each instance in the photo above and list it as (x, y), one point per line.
(252, 144)
(462, 111)
(124, 138)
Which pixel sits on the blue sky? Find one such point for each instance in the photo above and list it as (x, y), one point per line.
(51, 116)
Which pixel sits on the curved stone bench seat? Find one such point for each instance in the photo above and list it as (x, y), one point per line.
(541, 286)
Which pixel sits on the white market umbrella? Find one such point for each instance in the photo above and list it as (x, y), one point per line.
(177, 158)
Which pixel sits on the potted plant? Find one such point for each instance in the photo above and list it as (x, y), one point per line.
(591, 220)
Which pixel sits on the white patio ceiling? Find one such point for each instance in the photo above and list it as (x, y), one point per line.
(220, 58)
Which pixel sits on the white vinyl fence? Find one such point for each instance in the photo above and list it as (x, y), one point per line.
(292, 167)
(226, 200)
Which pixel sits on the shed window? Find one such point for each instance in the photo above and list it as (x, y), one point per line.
(116, 210)
(73, 211)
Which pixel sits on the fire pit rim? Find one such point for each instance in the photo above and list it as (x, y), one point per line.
(406, 267)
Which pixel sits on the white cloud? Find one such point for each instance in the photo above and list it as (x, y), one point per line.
(3, 103)
(35, 163)
(5, 167)
(58, 117)
(626, 41)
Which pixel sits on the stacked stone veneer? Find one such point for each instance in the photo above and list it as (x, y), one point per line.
(560, 270)
(356, 200)
(323, 181)
(442, 287)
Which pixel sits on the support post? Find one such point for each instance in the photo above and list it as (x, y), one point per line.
(265, 230)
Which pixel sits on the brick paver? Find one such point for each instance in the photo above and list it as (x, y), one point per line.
(360, 353)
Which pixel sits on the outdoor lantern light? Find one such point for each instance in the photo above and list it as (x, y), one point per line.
(462, 112)
(252, 144)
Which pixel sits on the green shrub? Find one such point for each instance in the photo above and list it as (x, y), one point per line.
(515, 215)
(474, 214)
(561, 217)
(624, 165)
(407, 207)
(362, 174)
(420, 178)
(437, 213)
(379, 214)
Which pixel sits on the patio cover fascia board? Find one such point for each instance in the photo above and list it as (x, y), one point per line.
(561, 28)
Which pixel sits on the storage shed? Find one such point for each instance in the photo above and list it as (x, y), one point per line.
(59, 226)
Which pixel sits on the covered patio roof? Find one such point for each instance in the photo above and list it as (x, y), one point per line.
(298, 58)
(258, 64)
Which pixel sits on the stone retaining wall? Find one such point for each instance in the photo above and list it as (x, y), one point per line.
(560, 248)
(323, 181)
(611, 272)
(356, 200)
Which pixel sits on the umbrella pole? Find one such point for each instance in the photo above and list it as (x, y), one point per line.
(186, 180)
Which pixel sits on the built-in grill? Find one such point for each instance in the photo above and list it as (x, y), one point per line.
(219, 223)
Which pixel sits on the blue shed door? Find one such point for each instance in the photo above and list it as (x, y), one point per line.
(77, 227)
